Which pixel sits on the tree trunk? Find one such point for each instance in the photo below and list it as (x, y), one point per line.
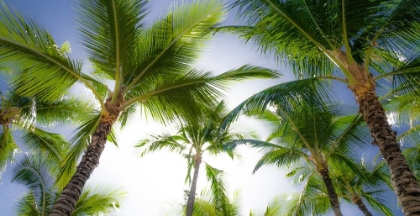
(331, 192)
(359, 202)
(191, 196)
(64, 206)
(403, 181)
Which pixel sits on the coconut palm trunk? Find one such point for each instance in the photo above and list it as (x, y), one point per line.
(359, 202)
(403, 181)
(335, 204)
(70, 195)
(193, 189)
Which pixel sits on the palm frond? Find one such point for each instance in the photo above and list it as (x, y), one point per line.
(96, 200)
(173, 43)
(33, 56)
(183, 95)
(54, 145)
(79, 143)
(311, 91)
(109, 30)
(378, 203)
(8, 147)
(171, 142)
(27, 205)
(33, 170)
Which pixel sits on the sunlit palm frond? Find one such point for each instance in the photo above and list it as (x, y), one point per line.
(171, 96)
(54, 145)
(173, 43)
(109, 30)
(35, 59)
(203, 207)
(96, 201)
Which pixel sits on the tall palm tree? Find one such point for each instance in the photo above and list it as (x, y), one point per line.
(151, 67)
(356, 42)
(39, 173)
(29, 116)
(194, 138)
(317, 136)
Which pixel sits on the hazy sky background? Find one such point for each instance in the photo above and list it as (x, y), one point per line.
(155, 183)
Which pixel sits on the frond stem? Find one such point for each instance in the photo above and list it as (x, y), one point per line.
(118, 75)
(345, 38)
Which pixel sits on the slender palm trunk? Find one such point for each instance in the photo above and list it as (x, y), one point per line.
(191, 196)
(403, 181)
(359, 202)
(335, 204)
(71, 193)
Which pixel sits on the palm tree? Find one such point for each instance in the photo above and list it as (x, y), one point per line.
(315, 137)
(39, 173)
(364, 40)
(29, 116)
(195, 137)
(151, 68)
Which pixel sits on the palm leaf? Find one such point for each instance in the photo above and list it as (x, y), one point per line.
(27, 205)
(173, 42)
(8, 147)
(33, 170)
(54, 145)
(108, 31)
(310, 91)
(31, 53)
(80, 141)
(96, 200)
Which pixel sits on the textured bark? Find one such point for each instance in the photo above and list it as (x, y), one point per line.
(71, 193)
(335, 204)
(359, 202)
(191, 196)
(405, 184)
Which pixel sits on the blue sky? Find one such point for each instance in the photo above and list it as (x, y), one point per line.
(165, 177)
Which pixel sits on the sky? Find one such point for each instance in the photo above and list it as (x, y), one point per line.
(155, 183)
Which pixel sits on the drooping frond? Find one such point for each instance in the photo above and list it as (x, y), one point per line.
(97, 201)
(27, 205)
(34, 171)
(32, 55)
(79, 143)
(8, 147)
(310, 91)
(170, 96)
(54, 145)
(171, 142)
(299, 32)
